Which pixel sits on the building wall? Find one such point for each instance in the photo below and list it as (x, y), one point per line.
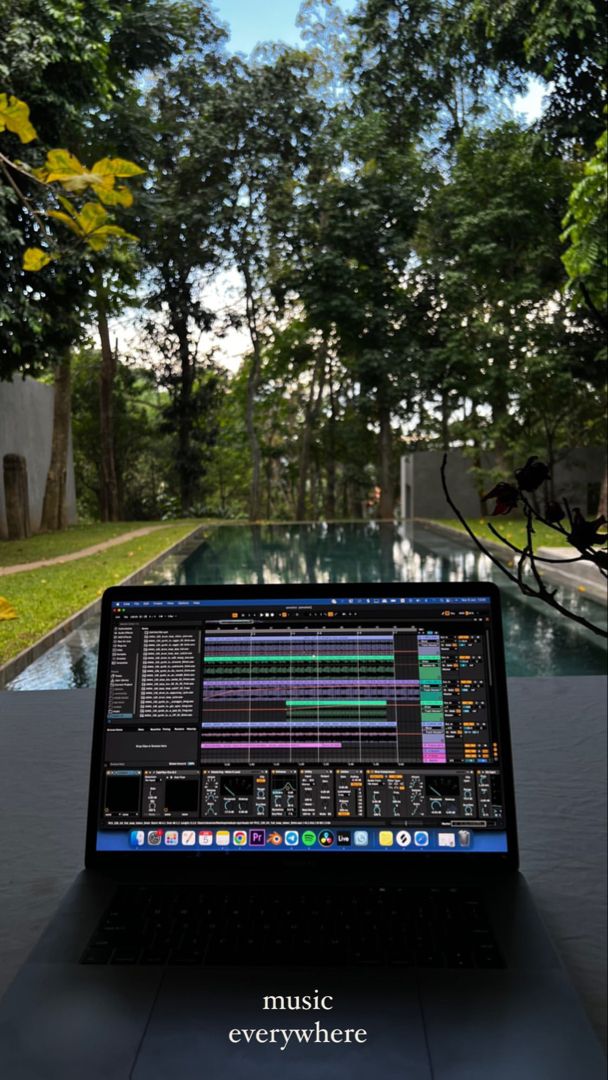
(577, 475)
(26, 428)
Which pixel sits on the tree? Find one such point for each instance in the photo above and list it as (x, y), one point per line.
(586, 234)
(76, 64)
(278, 119)
(562, 42)
(489, 244)
(192, 133)
(93, 228)
(142, 445)
(412, 63)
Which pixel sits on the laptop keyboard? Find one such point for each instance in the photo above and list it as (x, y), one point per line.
(415, 927)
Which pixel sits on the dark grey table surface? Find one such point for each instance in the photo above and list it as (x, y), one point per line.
(559, 748)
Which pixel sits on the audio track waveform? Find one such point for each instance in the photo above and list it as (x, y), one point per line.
(302, 696)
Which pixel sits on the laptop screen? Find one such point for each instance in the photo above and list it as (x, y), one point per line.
(301, 724)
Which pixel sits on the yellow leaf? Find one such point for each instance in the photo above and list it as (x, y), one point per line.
(15, 117)
(76, 182)
(120, 196)
(92, 216)
(59, 164)
(35, 258)
(67, 220)
(67, 206)
(7, 611)
(116, 167)
(66, 169)
(98, 239)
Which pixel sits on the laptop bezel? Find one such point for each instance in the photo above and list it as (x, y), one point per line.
(258, 867)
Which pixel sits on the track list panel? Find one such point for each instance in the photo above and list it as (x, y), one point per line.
(154, 674)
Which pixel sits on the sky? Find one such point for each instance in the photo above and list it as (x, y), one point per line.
(252, 21)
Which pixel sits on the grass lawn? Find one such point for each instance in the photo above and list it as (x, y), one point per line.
(45, 597)
(511, 528)
(49, 545)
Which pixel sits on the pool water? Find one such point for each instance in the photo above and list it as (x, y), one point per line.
(538, 640)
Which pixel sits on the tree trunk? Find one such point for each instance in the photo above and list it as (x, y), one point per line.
(186, 478)
(254, 445)
(603, 503)
(16, 497)
(344, 495)
(387, 496)
(109, 502)
(54, 510)
(330, 498)
(185, 465)
(311, 411)
(252, 389)
(445, 420)
(500, 405)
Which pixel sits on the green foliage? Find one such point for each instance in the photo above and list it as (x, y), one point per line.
(561, 41)
(491, 277)
(586, 232)
(395, 238)
(75, 64)
(142, 447)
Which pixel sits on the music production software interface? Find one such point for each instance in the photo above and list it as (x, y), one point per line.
(343, 724)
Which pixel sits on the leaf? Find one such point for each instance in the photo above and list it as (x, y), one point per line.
(116, 167)
(66, 219)
(15, 117)
(99, 239)
(59, 165)
(34, 258)
(120, 196)
(91, 217)
(68, 206)
(7, 611)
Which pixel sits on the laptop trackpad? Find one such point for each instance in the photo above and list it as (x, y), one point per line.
(212, 1022)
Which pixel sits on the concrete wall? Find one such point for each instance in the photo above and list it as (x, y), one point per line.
(575, 474)
(26, 428)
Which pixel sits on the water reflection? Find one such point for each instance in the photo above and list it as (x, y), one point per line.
(538, 641)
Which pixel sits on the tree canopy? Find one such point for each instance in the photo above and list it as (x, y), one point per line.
(344, 248)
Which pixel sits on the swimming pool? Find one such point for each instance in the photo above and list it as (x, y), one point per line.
(538, 640)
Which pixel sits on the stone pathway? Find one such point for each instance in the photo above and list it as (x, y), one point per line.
(19, 568)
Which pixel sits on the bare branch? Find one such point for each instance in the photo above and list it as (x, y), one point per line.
(527, 553)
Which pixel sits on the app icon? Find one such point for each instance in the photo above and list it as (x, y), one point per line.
(404, 838)
(309, 837)
(344, 839)
(171, 838)
(326, 838)
(421, 839)
(257, 837)
(446, 839)
(291, 838)
(361, 838)
(205, 837)
(222, 837)
(239, 838)
(188, 838)
(464, 838)
(385, 837)
(137, 838)
(275, 839)
(155, 837)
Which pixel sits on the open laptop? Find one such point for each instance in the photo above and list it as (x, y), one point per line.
(301, 827)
